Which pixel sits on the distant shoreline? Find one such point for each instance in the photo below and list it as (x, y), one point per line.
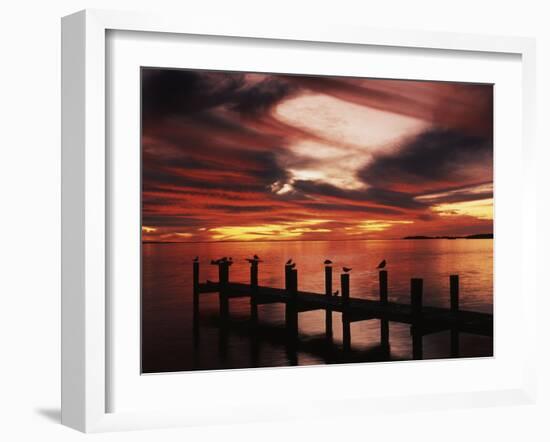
(418, 237)
(476, 236)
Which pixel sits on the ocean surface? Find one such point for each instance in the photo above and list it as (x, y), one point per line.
(170, 344)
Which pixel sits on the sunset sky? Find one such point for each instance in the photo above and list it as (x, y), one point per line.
(244, 157)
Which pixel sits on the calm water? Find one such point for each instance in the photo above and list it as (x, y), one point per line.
(168, 342)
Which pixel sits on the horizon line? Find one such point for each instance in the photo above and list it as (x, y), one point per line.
(318, 240)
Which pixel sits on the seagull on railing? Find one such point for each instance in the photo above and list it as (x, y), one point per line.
(327, 262)
(291, 266)
(382, 264)
(289, 262)
(346, 269)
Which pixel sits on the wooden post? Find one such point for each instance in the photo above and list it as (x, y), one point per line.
(291, 312)
(328, 293)
(416, 328)
(195, 291)
(346, 323)
(287, 276)
(454, 310)
(253, 291)
(384, 324)
(223, 271)
(196, 310)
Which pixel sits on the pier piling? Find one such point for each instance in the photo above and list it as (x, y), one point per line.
(384, 323)
(254, 291)
(223, 272)
(455, 304)
(328, 311)
(291, 312)
(196, 296)
(416, 328)
(346, 323)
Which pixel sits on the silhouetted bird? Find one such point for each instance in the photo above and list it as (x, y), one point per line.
(289, 262)
(382, 264)
(256, 257)
(346, 269)
(336, 293)
(196, 259)
(328, 262)
(292, 265)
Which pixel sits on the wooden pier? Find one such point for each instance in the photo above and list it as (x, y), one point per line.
(423, 320)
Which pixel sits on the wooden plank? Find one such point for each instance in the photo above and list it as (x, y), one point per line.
(434, 317)
(211, 287)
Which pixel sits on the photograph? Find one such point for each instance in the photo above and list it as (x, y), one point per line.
(297, 219)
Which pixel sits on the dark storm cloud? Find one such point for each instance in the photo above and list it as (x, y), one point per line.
(169, 92)
(331, 208)
(252, 171)
(373, 195)
(171, 221)
(238, 209)
(435, 155)
(262, 96)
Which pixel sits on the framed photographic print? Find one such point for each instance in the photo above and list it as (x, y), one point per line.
(239, 200)
(291, 198)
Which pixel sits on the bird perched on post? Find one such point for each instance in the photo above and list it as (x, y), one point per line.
(292, 265)
(256, 257)
(335, 293)
(382, 264)
(196, 259)
(289, 262)
(346, 269)
(327, 262)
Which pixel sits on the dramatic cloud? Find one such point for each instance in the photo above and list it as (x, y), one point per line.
(237, 156)
(434, 157)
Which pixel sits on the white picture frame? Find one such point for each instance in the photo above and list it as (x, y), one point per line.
(86, 354)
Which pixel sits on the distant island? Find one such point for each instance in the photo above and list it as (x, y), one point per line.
(476, 236)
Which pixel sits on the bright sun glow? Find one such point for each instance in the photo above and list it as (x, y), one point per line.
(374, 225)
(269, 232)
(481, 209)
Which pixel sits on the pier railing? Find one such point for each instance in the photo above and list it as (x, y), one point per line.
(423, 320)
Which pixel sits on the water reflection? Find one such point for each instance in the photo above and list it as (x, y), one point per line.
(172, 342)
